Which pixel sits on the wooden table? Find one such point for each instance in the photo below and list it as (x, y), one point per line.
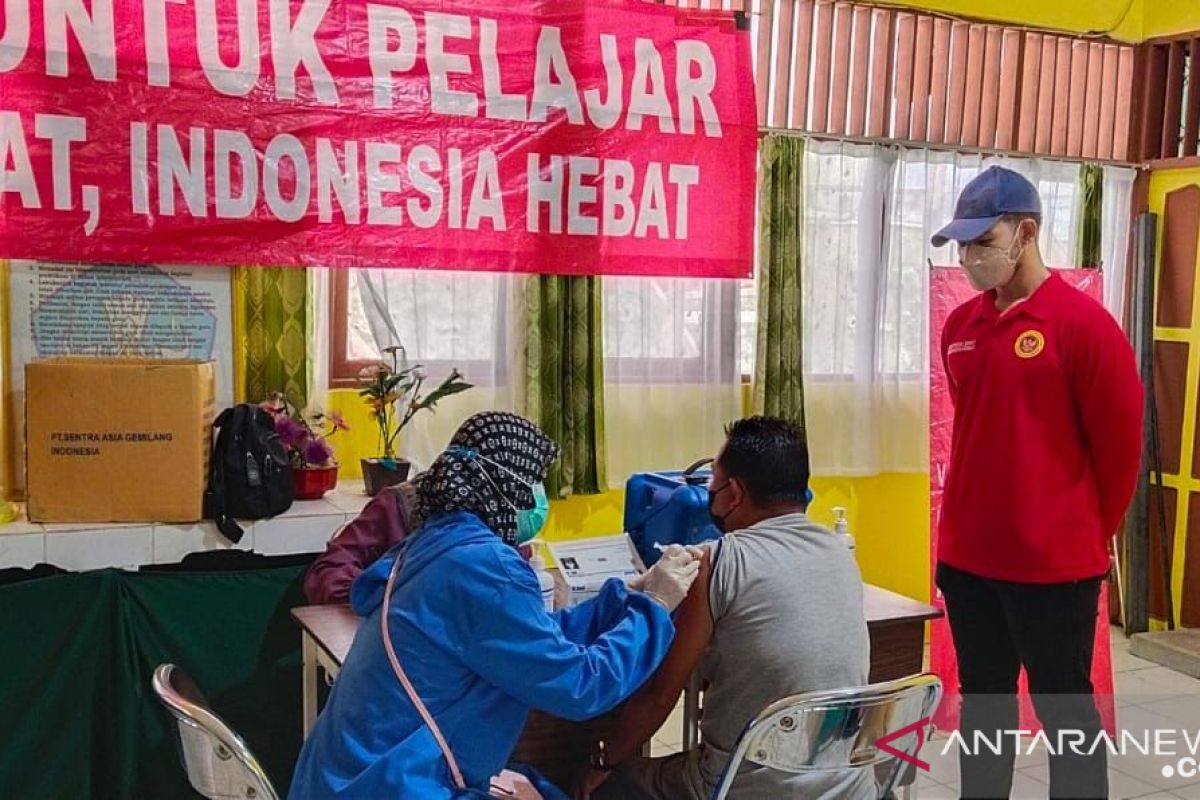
(326, 635)
(896, 625)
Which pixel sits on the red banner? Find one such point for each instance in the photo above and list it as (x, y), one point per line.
(568, 137)
(948, 289)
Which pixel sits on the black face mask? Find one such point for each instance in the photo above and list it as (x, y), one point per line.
(717, 520)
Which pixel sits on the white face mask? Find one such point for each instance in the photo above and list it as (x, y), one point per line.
(991, 267)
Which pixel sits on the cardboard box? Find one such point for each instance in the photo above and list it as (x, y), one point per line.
(117, 440)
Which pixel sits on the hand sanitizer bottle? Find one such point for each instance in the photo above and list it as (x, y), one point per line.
(841, 528)
(545, 579)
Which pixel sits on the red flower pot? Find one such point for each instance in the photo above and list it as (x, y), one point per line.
(313, 482)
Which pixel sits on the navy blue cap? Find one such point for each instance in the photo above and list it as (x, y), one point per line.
(993, 193)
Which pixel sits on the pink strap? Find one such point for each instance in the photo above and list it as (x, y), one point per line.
(408, 687)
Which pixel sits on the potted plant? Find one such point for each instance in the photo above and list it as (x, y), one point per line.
(393, 393)
(305, 436)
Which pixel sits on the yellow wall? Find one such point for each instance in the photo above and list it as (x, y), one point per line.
(584, 516)
(1163, 18)
(889, 518)
(888, 514)
(1075, 16)
(361, 441)
(1128, 20)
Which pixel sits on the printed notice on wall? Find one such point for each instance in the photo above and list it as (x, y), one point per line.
(116, 311)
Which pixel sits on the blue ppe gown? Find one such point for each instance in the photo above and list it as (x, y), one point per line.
(469, 629)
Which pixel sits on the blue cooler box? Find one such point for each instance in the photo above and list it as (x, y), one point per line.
(669, 508)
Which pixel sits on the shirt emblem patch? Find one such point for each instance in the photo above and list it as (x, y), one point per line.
(1030, 344)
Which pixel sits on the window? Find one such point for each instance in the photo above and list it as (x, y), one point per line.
(841, 251)
(443, 319)
(869, 212)
(747, 327)
(655, 329)
(904, 330)
(671, 330)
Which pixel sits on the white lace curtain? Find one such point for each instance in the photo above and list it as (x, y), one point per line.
(444, 320)
(868, 215)
(672, 376)
(670, 346)
(1114, 241)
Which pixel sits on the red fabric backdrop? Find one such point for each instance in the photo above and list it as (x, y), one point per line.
(948, 288)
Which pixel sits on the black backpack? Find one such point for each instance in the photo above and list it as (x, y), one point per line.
(249, 476)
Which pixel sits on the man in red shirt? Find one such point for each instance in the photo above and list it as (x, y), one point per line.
(1046, 452)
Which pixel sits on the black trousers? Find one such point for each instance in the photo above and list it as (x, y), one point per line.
(1000, 626)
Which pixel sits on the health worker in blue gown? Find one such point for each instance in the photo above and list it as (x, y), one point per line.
(466, 629)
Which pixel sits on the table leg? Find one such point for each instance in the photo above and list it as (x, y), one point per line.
(308, 649)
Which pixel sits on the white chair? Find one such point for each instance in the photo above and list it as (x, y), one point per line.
(838, 730)
(218, 763)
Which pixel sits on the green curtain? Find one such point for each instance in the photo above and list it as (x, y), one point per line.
(779, 364)
(80, 719)
(564, 386)
(1091, 215)
(271, 305)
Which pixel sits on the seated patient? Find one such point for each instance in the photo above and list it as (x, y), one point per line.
(454, 646)
(777, 610)
(385, 521)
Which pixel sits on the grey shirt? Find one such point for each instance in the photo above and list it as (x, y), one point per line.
(787, 606)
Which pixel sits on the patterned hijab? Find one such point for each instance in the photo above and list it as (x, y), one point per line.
(488, 468)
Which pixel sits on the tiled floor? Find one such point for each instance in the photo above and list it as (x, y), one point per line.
(1147, 697)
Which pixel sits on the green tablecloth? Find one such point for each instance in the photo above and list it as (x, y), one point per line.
(78, 718)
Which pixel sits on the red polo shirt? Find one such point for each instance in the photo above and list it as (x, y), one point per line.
(1047, 436)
